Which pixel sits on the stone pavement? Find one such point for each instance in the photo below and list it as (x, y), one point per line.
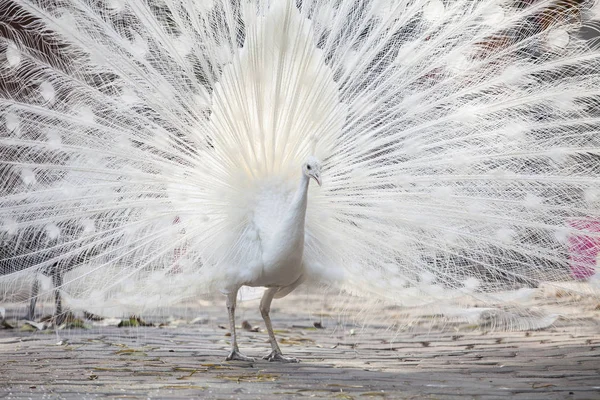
(185, 359)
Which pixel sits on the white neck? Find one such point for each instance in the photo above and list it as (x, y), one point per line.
(289, 237)
(297, 210)
(282, 257)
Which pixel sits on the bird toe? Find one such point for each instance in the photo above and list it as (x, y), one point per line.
(236, 355)
(278, 357)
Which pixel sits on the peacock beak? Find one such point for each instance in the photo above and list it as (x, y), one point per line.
(317, 178)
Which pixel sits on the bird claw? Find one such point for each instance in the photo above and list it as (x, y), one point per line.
(277, 356)
(236, 355)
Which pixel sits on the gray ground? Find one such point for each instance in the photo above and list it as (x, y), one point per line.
(185, 358)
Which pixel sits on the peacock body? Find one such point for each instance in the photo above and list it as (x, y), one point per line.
(168, 146)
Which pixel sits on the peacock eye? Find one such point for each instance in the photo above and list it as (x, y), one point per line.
(308, 167)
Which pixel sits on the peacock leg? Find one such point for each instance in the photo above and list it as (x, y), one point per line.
(265, 307)
(34, 293)
(235, 351)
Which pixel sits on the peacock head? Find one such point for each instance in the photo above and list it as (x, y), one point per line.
(312, 169)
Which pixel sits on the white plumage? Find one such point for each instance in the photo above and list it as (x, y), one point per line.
(164, 146)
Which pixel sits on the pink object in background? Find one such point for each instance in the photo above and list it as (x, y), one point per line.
(584, 248)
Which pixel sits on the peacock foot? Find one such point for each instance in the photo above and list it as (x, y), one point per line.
(236, 355)
(277, 356)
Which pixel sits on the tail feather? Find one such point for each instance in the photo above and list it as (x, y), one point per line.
(459, 139)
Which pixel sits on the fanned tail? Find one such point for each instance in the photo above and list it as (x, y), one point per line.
(459, 142)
